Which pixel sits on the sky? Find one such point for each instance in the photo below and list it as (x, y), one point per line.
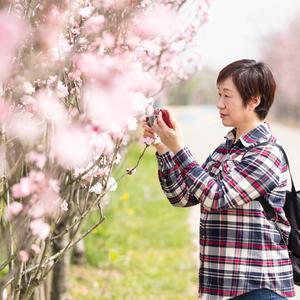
(236, 28)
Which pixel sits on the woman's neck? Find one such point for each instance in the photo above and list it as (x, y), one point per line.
(241, 130)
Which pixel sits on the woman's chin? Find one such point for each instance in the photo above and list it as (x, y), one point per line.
(226, 123)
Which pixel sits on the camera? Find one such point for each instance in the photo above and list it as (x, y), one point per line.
(165, 115)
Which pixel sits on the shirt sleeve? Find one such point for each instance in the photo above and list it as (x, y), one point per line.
(172, 183)
(186, 183)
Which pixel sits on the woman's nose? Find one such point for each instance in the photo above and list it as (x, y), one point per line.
(220, 103)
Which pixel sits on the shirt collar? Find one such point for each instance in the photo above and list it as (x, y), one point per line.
(261, 133)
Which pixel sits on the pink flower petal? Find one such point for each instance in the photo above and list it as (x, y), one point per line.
(24, 256)
(40, 228)
(13, 209)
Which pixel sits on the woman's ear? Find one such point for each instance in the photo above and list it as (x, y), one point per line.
(254, 102)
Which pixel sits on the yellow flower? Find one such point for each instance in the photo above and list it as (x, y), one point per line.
(124, 197)
(112, 255)
(130, 211)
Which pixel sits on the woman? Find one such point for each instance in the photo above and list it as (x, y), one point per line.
(242, 253)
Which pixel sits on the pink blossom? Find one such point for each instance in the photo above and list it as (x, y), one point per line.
(140, 102)
(117, 134)
(87, 64)
(87, 176)
(86, 12)
(159, 21)
(47, 203)
(51, 29)
(61, 90)
(35, 182)
(40, 228)
(24, 256)
(151, 47)
(149, 109)
(107, 71)
(25, 127)
(35, 248)
(109, 109)
(51, 80)
(71, 147)
(64, 205)
(29, 103)
(112, 185)
(94, 24)
(108, 40)
(101, 143)
(75, 75)
(28, 88)
(38, 177)
(37, 158)
(147, 140)
(52, 39)
(50, 108)
(132, 40)
(54, 185)
(114, 4)
(136, 80)
(12, 30)
(13, 209)
(132, 124)
(23, 189)
(103, 172)
(97, 188)
(4, 111)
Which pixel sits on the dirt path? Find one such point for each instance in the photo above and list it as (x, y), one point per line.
(203, 132)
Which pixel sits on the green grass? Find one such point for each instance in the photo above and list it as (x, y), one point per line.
(143, 249)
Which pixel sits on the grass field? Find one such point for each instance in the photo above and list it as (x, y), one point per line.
(143, 250)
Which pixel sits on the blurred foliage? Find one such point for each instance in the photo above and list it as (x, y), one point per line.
(199, 89)
(282, 52)
(143, 250)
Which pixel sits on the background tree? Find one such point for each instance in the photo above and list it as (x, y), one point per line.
(281, 51)
(200, 88)
(75, 77)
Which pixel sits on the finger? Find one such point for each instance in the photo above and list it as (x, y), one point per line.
(161, 122)
(147, 127)
(147, 135)
(173, 121)
(143, 118)
(156, 127)
(149, 132)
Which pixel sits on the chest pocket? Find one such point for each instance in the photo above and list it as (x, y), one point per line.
(228, 165)
(225, 164)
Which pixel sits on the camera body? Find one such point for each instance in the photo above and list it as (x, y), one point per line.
(165, 115)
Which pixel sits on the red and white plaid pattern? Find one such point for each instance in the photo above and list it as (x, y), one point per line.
(240, 250)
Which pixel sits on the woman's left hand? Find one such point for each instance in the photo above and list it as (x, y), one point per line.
(172, 138)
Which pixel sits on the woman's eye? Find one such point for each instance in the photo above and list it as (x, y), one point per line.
(226, 96)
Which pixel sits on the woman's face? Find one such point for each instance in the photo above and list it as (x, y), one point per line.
(230, 104)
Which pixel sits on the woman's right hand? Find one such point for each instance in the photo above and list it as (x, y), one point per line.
(150, 133)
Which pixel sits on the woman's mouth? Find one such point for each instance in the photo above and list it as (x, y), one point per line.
(223, 115)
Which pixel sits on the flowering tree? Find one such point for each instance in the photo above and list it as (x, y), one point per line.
(285, 60)
(75, 78)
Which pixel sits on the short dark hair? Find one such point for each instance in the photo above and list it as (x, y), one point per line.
(251, 79)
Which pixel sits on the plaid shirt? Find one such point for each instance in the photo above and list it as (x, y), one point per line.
(240, 249)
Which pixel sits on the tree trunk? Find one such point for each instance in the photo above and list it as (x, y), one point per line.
(42, 292)
(59, 288)
(79, 253)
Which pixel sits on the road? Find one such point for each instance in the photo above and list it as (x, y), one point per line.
(203, 132)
